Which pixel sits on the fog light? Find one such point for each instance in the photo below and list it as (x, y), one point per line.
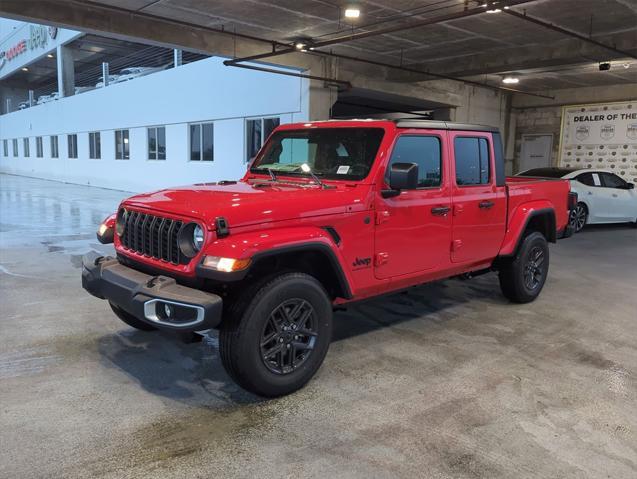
(226, 265)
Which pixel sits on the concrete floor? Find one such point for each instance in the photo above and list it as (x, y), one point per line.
(447, 381)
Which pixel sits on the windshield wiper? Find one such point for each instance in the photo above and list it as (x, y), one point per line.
(271, 173)
(306, 169)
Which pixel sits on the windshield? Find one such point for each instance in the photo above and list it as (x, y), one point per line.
(336, 153)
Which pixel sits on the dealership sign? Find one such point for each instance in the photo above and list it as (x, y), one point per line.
(601, 136)
(38, 38)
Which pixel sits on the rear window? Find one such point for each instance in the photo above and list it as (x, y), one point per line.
(472, 161)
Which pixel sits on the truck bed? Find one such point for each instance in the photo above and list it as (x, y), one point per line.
(534, 192)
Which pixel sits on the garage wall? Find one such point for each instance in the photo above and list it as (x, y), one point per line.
(197, 92)
(531, 116)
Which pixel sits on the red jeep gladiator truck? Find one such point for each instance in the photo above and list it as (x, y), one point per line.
(328, 213)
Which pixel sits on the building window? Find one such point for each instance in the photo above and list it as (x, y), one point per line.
(257, 131)
(38, 147)
(472, 161)
(201, 142)
(54, 147)
(122, 147)
(94, 146)
(5, 147)
(15, 147)
(72, 145)
(25, 142)
(157, 143)
(422, 150)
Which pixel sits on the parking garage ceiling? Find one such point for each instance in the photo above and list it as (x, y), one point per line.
(482, 47)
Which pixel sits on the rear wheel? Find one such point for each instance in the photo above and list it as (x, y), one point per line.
(131, 320)
(277, 334)
(522, 278)
(578, 217)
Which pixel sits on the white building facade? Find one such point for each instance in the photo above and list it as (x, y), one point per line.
(196, 122)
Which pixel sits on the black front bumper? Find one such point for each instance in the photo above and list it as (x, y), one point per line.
(142, 295)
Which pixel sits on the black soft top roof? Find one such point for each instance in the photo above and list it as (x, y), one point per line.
(444, 125)
(550, 172)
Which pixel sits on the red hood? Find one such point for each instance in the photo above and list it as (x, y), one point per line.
(245, 204)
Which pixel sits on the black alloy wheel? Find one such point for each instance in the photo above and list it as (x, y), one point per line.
(289, 336)
(534, 270)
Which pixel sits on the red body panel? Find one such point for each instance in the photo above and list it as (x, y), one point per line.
(385, 243)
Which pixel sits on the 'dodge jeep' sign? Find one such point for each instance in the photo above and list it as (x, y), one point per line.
(38, 38)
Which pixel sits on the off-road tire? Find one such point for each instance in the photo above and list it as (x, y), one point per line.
(245, 320)
(131, 320)
(519, 280)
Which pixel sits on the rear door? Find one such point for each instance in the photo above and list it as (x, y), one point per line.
(479, 205)
(413, 229)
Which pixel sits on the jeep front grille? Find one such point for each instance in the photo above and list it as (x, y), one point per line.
(153, 236)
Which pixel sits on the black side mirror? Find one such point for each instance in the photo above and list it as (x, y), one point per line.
(630, 186)
(403, 176)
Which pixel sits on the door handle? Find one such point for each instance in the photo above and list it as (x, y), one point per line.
(440, 210)
(590, 192)
(486, 204)
(614, 195)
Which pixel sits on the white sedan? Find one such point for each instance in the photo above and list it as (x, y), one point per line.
(603, 197)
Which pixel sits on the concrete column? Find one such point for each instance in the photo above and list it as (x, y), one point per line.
(322, 99)
(178, 57)
(66, 71)
(8, 105)
(31, 98)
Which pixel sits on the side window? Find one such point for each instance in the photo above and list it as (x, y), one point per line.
(422, 150)
(122, 147)
(612, 181)
(257, 131)
(586, 179)
(472, 161)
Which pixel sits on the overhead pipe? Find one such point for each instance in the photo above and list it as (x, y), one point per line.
(345, 83)
(564, 31)
(431, 74)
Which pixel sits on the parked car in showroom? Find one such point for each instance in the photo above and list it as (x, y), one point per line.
(603, 196)
(328, 213)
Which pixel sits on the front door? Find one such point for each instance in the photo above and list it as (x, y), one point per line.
(413, 229)
(479, 205)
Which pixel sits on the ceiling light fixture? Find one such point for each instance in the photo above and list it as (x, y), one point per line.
(352, 12)
(25, 69)
(495, 10)
(50, 55)
(300, 46)
(510, 80)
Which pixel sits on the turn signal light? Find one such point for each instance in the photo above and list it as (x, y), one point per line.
(105, 230)
(227, 265)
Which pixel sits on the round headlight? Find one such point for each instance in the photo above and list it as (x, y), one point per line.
(120, 224)
(197, 237)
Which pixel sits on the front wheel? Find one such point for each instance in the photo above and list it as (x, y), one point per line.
(277, 334)
(522, 277)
